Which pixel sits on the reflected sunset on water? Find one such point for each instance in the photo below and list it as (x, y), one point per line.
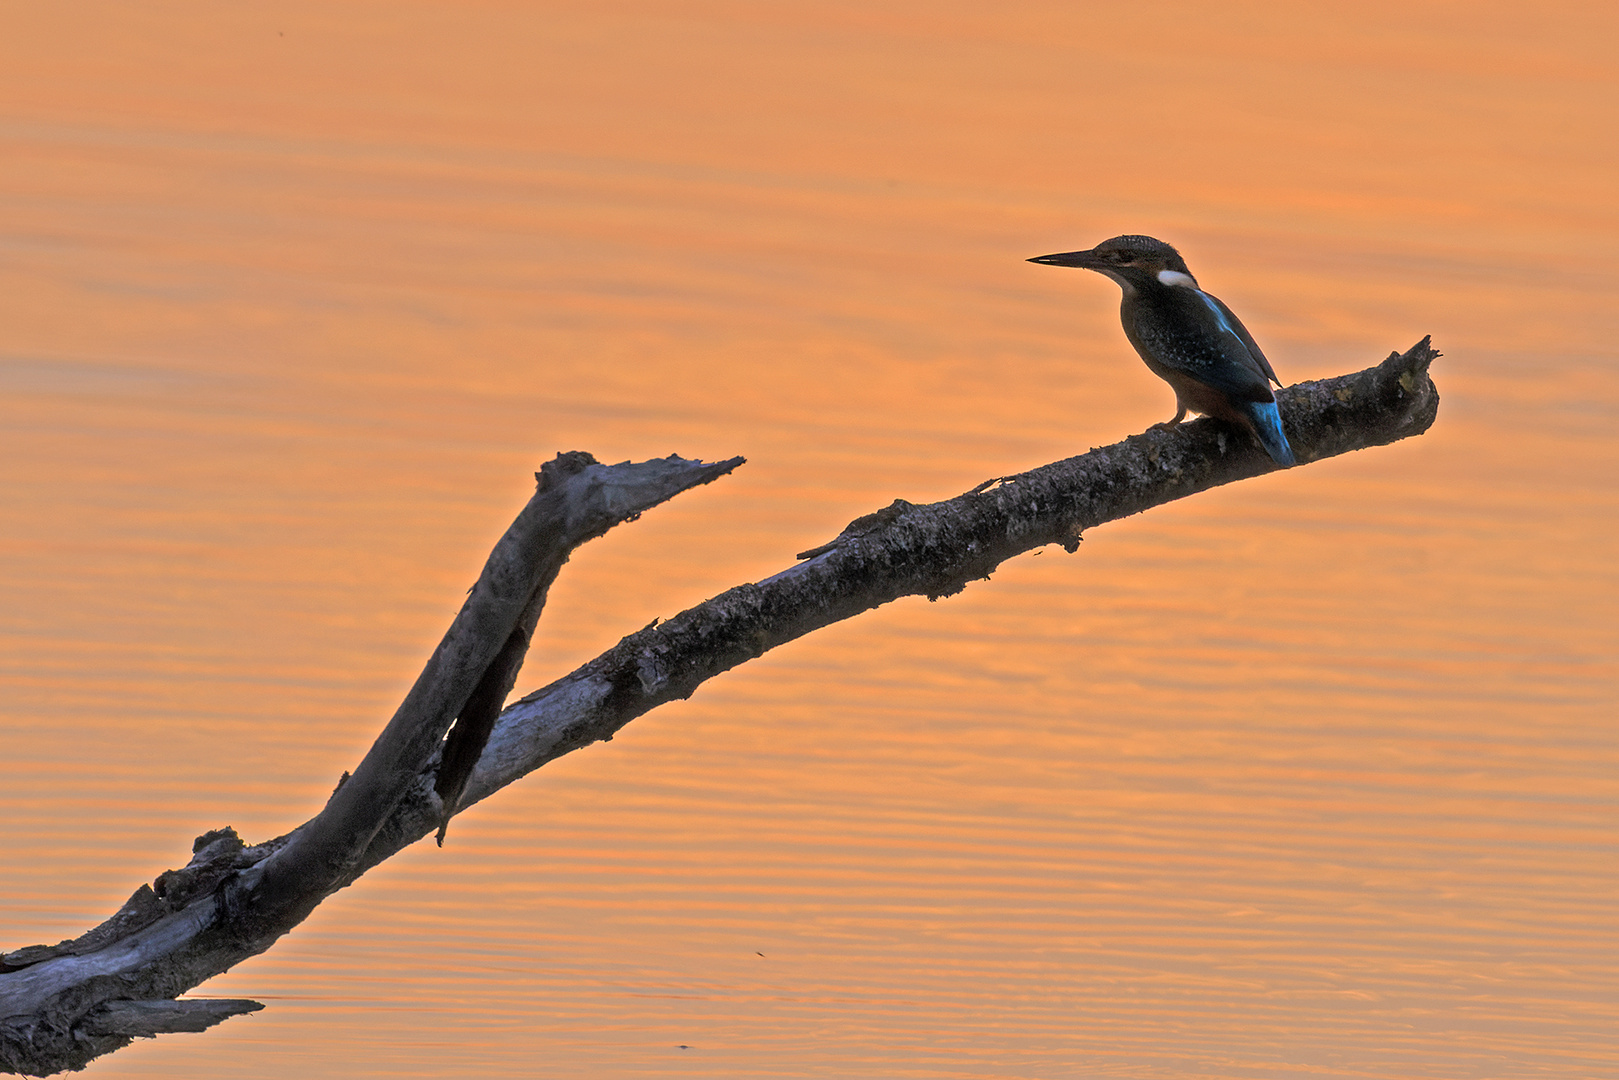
(1311, 775)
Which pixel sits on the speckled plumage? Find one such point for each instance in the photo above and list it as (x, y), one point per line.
(1188, 337)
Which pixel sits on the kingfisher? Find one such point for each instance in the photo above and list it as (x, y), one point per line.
(1188, 338)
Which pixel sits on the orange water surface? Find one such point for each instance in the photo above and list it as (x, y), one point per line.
(1314, 775)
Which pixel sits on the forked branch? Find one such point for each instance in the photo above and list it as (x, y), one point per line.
(63, 1005)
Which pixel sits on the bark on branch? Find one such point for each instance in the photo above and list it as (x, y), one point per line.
(63, 1005)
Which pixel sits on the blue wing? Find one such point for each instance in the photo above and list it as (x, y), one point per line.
(1191, 333)
(1242, 332)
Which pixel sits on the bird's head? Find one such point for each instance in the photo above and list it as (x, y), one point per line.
(1130, 260)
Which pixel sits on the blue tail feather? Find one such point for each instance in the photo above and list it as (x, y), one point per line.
(1268, 426)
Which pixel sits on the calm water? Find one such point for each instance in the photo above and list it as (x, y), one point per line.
(1311, 776)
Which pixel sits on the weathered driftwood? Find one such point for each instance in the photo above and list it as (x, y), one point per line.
(63, 1005)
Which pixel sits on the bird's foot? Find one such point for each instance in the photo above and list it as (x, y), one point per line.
(1180, 414)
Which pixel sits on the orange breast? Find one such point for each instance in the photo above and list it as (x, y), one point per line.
(1202, 399)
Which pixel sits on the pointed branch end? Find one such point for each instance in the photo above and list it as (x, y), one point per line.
(633, 487)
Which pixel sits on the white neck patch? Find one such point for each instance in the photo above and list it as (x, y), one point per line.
(1175, 277)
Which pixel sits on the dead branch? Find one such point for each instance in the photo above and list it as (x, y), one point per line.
(63, 1005)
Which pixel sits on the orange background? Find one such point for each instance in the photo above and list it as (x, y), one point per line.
(1313, 775)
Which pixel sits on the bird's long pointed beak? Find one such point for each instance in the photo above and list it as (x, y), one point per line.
(1088, 259)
